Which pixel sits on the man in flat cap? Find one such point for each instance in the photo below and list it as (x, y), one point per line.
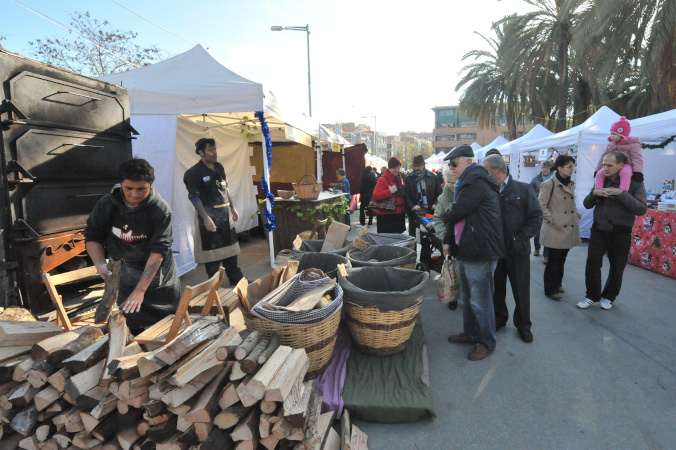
(422, 190)
(475, 221)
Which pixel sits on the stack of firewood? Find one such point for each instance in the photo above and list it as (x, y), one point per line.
(94, 388)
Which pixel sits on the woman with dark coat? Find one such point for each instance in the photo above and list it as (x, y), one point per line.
(368, 183)
(391, 184)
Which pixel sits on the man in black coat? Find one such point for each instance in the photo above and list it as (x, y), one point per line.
(475, 220)
(422, 190)
(521, 220)
(368, 183)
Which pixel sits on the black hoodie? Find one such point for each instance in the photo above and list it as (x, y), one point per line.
(131, 235)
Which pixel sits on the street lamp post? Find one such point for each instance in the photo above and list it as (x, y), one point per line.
(306, 28)
(375, 133)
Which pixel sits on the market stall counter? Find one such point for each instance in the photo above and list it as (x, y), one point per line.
(294, 216)
(653, 245)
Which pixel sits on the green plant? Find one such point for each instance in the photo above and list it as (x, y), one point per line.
(333, 210)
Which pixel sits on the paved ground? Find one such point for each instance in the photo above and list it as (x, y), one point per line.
(591, 378)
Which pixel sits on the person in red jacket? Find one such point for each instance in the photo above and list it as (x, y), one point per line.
(391, 184)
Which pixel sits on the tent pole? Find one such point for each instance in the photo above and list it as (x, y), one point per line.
(266, 174)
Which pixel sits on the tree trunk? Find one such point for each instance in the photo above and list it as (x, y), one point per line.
(563, 80)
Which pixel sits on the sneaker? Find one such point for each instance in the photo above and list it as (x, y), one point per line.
(606, 304)
(460, 339)
(586, 303)
(536, 253)
(479, 352)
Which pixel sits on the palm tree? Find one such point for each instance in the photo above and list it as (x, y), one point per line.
(639, 49)
(549, 30)
(490, 95)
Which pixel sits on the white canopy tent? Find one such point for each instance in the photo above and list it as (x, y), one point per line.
(479, 154)
(586, 142)
(512, 148)
(190, 96)
(476, 147)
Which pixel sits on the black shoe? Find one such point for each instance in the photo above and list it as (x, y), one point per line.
(499, 325)
(525, 335)
(453, 305)
(555, 296)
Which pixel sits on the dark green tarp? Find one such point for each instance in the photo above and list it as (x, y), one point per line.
(389, 389)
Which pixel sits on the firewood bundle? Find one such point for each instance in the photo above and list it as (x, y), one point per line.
(93, 388)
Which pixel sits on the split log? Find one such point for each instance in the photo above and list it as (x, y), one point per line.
(39, 373)
(358, 439)
(44, 432)
(73, 421)
(8, 367)
(202, 430)
(296, 412)
(105, 407)
(273, 344)
(110, 293)
(107, 428)
(9, 353)
(245, 347)
(88, 357)
(243, 393)
(81, 382)
(206, 359)
(218, 440)
(148, 364)
(247, 429)
(87, 337)
(23, 395)
(118, 333)
(295, 367)
(18, 334)
(264, 425)
(231, 416)
(125, 367)
(260, 382)
(29, 443)
(281, 429)
(345, 431)
(207, 403)
(250, 363)
(127, 438)
(24, 422)
(269, 407)
(88, 421)
(269, 442)
(46, 397)
(62, 439)
(51, 411)
(90, 399)
(21, 370)
(85, 442)
(169, 371)
(200, 331)
(296, 434)
(332, 441)
(58, 378)
(162, 432)
(135, 387)
(237, 373)
(321, 431)
(179, 395)
(228, 395)
(153, 408)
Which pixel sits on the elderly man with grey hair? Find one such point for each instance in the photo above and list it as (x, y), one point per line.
(521, 219)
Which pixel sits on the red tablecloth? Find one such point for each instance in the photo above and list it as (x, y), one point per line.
(654, 242)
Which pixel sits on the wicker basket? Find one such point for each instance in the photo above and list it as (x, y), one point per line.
(318, 339)
(307, 191)
(381, 333)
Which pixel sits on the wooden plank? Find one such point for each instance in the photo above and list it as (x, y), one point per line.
(207, 403)
(359, 439)
(345, 431)
(49, 345)
(295, 367)
(87, 337)
(192, 336)
(297, 405)
(21, 334)
(260, 382)
(7, 353)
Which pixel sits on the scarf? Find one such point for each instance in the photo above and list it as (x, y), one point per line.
(545, 178)
(564, 181)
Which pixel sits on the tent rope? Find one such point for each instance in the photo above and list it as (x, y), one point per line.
(269, 217)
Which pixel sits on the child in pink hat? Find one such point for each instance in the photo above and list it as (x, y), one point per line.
(630, 146)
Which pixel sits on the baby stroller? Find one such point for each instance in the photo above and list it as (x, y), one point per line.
(429, 243)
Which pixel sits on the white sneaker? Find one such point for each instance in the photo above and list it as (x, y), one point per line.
(606, 304)
(586, 303)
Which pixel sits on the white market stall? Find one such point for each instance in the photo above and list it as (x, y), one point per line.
(479, 154)
(512, 149)
(585, 142)
(189, 96)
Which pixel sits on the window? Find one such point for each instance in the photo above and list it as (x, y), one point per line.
(444, 137)
(466, 136)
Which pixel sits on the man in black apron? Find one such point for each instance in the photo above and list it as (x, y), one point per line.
(215, 235)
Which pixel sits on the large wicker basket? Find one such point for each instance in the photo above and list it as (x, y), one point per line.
(318, 339)
(381, 333)
(307, 191)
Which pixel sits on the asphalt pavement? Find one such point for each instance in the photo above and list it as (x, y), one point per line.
(591, 379)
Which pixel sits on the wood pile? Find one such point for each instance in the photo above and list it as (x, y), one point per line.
(94, 388)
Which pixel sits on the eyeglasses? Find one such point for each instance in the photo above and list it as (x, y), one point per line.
(453, 164)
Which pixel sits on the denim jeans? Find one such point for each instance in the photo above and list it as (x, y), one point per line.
(476, 291)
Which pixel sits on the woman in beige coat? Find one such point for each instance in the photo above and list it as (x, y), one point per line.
(560, 227)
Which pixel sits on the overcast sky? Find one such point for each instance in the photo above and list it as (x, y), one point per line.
(367, 57)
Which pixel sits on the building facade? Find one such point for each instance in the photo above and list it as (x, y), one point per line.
(453, 128)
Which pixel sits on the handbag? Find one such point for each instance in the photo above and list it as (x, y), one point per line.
(449, 283)
(383, 205)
